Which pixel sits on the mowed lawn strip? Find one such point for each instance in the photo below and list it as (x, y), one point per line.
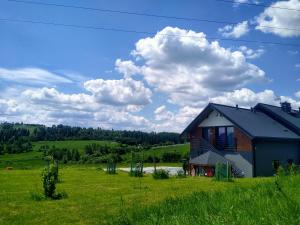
(94, 197)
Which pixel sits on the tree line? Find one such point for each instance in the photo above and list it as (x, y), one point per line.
(17, 137)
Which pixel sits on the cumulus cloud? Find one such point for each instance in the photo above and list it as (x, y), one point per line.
(274, 16)
(235, 31)
(49, 106)
(188, 68)
(104, 103)
(52, 97)
(250, 53)
(119, 92)
(32, 76)
(161, 113)
(128, 68)
(248, 98)
(167, 120)
(297, 94)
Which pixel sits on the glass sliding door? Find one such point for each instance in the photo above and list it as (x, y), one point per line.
(230, 138)
(221, 137)
(225, 138)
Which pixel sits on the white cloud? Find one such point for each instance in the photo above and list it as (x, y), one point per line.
(248, 98)
(32, 76)
(49, 106)
(235, 31)
(128, 68)
(161, 113)
(297, 94)
(250, 53)
(50, 97)
(188, 68)
(174, 121)
(119, 92)
(276, 17)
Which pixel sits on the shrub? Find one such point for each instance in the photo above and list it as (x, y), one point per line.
(160, 174)
(292, 169)
(281, 171)
(48, 182)
(50, 178)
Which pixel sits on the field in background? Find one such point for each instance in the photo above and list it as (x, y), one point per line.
(34, 159)
(94, 197)
(181, 149)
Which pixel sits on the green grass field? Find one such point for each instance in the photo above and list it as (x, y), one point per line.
(97, 198)
(182, 149)
(33, 159)
(94, 197)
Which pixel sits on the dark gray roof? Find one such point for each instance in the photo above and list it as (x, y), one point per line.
(254, 123)
(277, 112)
(210, 158)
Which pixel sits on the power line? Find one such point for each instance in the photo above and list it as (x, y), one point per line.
(143, 14)
(257, 4)
(141, 32)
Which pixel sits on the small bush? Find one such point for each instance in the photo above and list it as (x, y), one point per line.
(292, 169)
(48, 182)
(281, 171)
(161, 174)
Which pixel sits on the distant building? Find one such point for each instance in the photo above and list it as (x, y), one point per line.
(254, 141)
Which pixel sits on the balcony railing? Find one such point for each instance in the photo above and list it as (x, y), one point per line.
(220, 145)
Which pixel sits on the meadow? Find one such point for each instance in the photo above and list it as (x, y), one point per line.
(95, 197)
(33, 159)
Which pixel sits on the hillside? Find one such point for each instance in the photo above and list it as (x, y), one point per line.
(33, 159)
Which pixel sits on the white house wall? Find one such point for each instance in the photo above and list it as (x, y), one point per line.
(215, 119)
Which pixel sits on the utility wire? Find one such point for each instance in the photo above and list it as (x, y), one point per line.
(142, 14)
(141, 32)
(257, 4)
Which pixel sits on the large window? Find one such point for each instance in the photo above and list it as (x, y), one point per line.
(225, 138)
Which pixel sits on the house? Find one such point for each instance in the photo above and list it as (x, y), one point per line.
(254, 141)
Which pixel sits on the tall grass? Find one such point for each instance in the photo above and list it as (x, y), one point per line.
(270, 203)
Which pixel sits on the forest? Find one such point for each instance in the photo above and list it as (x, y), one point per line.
(18, 137)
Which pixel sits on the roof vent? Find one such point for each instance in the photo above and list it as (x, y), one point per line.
(237, 106)
(286, 107)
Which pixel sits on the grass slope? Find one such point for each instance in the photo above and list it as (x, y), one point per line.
(182, 149)
(33, 159)
(263, 204)
(94, 197)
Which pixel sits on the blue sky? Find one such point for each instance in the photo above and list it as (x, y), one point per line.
(158, 81)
